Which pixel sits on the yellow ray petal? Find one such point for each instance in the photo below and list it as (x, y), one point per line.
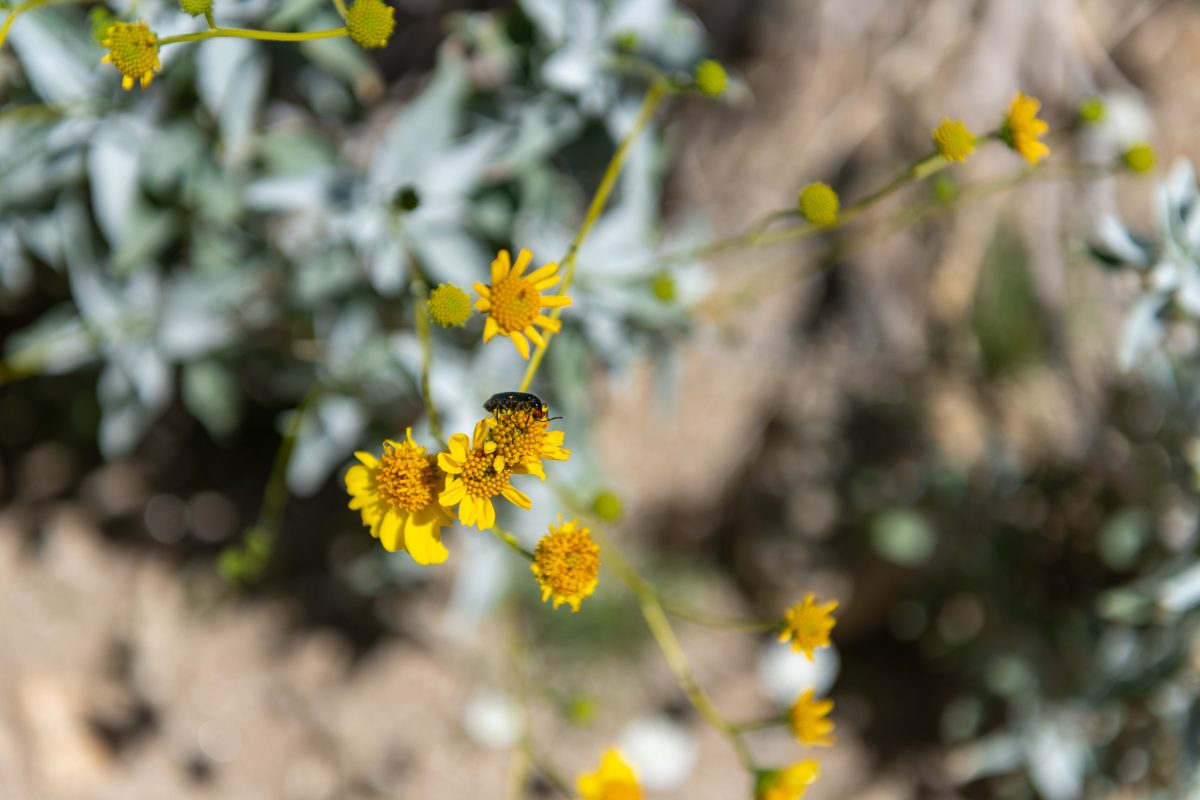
(534, 336)
(541, 273)
(453, 494)
(422, 543)
(490, 329)
(460, 445)
(487, 517)
(555, 300)
(523, 259)
(500, 267)
(517, 497)
(448, 464)
(522, 344)
(391, 532)
(549, 323)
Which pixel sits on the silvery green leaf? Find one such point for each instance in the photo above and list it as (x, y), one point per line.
(423, 126)
(1056, 754)
(232, 82)
(1112, 238)
(343, 58)
(329, 432)
(1143, 329)
(554, 18)
(55, 57)
(151, 230)
(113, 174)
(171, 155)
(127, 409)
(450, 254)
(1181, 592)
(290, 13)
(15, 273)
(545, 124)
(445, 179)
(56, 343)
(196, 316)
(211, 395)
(304, 191)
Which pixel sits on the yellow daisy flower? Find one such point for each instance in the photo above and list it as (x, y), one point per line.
(514, 303)
(522, 438)
(807, 718)
(397, 496)
(954, 140)
(614, 780)
(787, 784)
(807, 625)
(1022, 128)
(475, 473)
(133, 50)
(567, 564)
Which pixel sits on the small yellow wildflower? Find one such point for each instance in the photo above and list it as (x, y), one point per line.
(1139, 158)
(449, 306)
(807, 718)
(607, 506)
(566, 563)
(819, 204)
(807, 625)
(397, 495)
(514, 302)
(954, 140)
(133, 50)
(522, 439)
(475, 474)
(711, 78)
(1022, 128)
(614, 780)
(787, 784)
(1092, 110)
(370, 23)
(197, 8)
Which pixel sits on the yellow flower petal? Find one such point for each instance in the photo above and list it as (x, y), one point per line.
(500, 267)
(555, 301)
(490, 328)
(523, 259)
(521, 343)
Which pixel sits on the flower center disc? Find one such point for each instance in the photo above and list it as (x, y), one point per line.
(406, 479)
(515, 304)
(480, 477)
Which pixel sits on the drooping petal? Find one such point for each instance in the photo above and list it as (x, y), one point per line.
(522, 344)
(534, 336)
(517, 497)
(490, 329)
(391, 531)
(453, 494)
(423, 544)
(549, 323)
(487, 516)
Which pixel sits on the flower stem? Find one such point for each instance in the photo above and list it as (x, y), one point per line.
(654, 96)
(668, 643)
(340, 5)
(421, 312)
(513, 543)
(243, 33)
(700, 618)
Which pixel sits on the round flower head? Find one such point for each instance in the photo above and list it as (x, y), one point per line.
(196, 8)
(711, 78)
(566, 563)
(819, 204)
(522, 440)
(807, 719)
(807, 625)
(1139, 158)
(475, 474)
(133, 50)
(614, 780)
(953, 140)
(787, 784)
(397, 496)
(1092, 111)
(1022, 128)
(370, 23)
(449, 306)
(514, 301)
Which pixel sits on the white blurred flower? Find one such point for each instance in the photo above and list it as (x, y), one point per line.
(493, 720)
(785, 674)
(661, 750)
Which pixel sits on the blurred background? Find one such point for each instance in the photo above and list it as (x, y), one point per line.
(962, 430)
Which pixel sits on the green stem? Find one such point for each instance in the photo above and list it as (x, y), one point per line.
(654, 96)
(668, 643)
(208, 17)
(513, 543)
(422, 315)
(759, 725)
(28, 5)
(700, 618)
(242, 33)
